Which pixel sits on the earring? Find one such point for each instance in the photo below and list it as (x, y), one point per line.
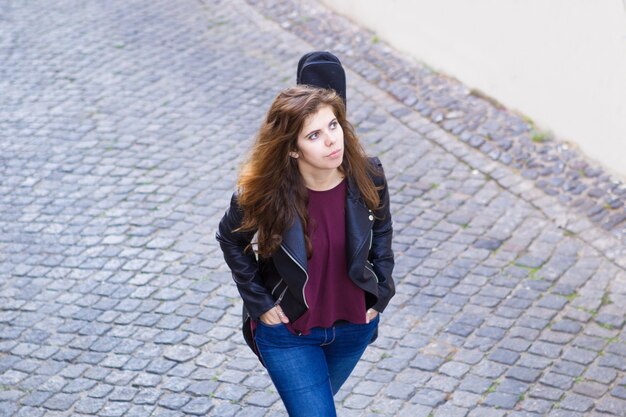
(294, 155)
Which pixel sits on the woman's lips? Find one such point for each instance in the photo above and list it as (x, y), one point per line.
(334, 154)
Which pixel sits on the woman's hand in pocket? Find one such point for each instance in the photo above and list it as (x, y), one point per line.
(274, 316)
(370, 315)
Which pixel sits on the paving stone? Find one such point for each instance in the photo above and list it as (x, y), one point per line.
(491, 332)
(515, 344)
(60, 402)
(600, 374)
(610, 320)
(442, 383)
(139, 411)
(427, 362)
(523, 374)
(454, 369)
(611, 405)
(89, 405)
(501, 400)
(451, 410)
(415, 410)
(533, 408)
(181, 353)
(590, 389)
(568, 368)
(25, 411)
(577, 403)
(557, 380)
(504, 356)
(529, 360)
(511, 386)
(173, 401)
(619, 392)
(582, 356)
(263, 399)
(460, 329)
(428, 397)
(122, 394)
(79, 385)
(147, 396)
(7, 408)
(230, 392)
(34, 399)
(160, 366)
(113, 409)
(564, 413)
(486, 412)
(489, 369)
(613, 361)
(567, 326)
(547, 393)
(546, 349)
(475, 384)
(198, 406)
(559, 338)
(355, 401)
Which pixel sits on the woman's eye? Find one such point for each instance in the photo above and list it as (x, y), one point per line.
(313, 135)
(333, 124)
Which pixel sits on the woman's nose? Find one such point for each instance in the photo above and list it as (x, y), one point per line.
(330, 139)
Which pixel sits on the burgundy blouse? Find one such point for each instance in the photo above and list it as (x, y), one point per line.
(330, 293)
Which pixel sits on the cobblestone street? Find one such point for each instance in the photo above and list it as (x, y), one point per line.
(122, 126)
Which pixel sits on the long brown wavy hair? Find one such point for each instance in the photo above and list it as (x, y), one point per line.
(271, 189)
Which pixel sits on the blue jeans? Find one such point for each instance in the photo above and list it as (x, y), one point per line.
(308, 370)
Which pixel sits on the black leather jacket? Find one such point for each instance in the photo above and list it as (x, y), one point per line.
(282, 278)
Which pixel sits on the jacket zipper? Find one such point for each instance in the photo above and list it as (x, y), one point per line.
(276, 286)
(303, 270)
(280, 298)
(371, 269)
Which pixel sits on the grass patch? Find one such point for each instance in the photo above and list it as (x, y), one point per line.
(532, 274)
(493, 387)
(483, 96)
(217, 24)
(606, 326)
(605, 299)
(532, 271)
(593, 313)
(539, 136)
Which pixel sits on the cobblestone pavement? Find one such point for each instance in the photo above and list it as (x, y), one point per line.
(121, 128)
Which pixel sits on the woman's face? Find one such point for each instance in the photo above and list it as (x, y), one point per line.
(320, 142)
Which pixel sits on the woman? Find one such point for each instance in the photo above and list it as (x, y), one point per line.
(321, 273)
